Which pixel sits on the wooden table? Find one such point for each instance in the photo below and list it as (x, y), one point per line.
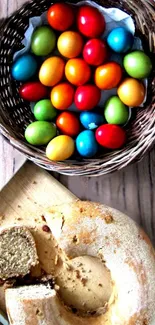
(131, 190)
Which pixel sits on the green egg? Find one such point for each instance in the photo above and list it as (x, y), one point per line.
(137, 64)
(115, 111)
(40, 133)
(43, 41)
(44, 110)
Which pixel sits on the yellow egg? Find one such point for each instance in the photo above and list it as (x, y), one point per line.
(131, 92)
(52, 71)
(60, 148)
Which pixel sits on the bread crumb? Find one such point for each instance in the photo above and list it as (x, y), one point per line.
(39, 313)
(84, 281)
(78, 276)
(75, 240)
(46, 228)
(19, 219)
(43, 218)
(109, 219)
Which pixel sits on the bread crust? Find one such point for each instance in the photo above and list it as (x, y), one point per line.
(118, 242)
(123, 246)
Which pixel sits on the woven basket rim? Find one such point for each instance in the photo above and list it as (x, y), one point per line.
(91, 167)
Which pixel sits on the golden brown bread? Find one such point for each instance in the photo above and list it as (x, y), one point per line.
(93, 231)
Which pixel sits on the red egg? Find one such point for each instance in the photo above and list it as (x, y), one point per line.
(111, 136)
(90, 21)
(33, 91)
(60, 16)
(68, 123)
(95, 52)
(87, 97)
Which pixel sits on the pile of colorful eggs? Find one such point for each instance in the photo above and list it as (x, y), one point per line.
(70, 63)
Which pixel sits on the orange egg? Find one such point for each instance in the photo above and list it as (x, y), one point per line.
(131, 92)
(70, 44)
(108, 76)
(77, 71)
(52, 71)
(62, 96)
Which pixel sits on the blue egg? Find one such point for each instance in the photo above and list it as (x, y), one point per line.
(24, 68)
(91, 120)
(86, 144)
(120, 40)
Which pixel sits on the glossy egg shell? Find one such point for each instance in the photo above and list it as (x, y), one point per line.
(87, 97)
(43, 41)
(24, 68)
(60, 148)
(95, 52)
(52, 71)
(44, 110)
(40, 133)
(61, 16)
(70, 44)
(68, 123)
(115, 111)
(120, 40)
(110, 136)
(86, 144)
(137, 64)
(131, 92)
(108, 75)
(91, 120)
(33, 91)
(62, 95)
(90, 21)
(77, 71)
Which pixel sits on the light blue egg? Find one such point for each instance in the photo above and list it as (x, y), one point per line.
(91, 120)
(24, 68)
(120, 40)
(86, 144)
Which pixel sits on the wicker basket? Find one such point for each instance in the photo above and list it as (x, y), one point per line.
(15, 114)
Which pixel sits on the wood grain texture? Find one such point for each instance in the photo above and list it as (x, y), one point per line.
(131, 190)
(10, 161)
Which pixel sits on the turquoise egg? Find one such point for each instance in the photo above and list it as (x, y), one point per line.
(86, 144)
(120, 40)
(91, 120)
(24, 68)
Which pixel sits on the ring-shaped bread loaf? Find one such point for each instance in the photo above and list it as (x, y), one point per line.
(92, 229)
(91, 232)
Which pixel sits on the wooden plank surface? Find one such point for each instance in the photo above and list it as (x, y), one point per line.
(131, 190)
(23, 202)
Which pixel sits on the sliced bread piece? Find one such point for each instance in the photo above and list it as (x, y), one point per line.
(31, 305)
(17, 252)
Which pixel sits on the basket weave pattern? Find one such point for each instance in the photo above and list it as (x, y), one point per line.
(15, 114)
